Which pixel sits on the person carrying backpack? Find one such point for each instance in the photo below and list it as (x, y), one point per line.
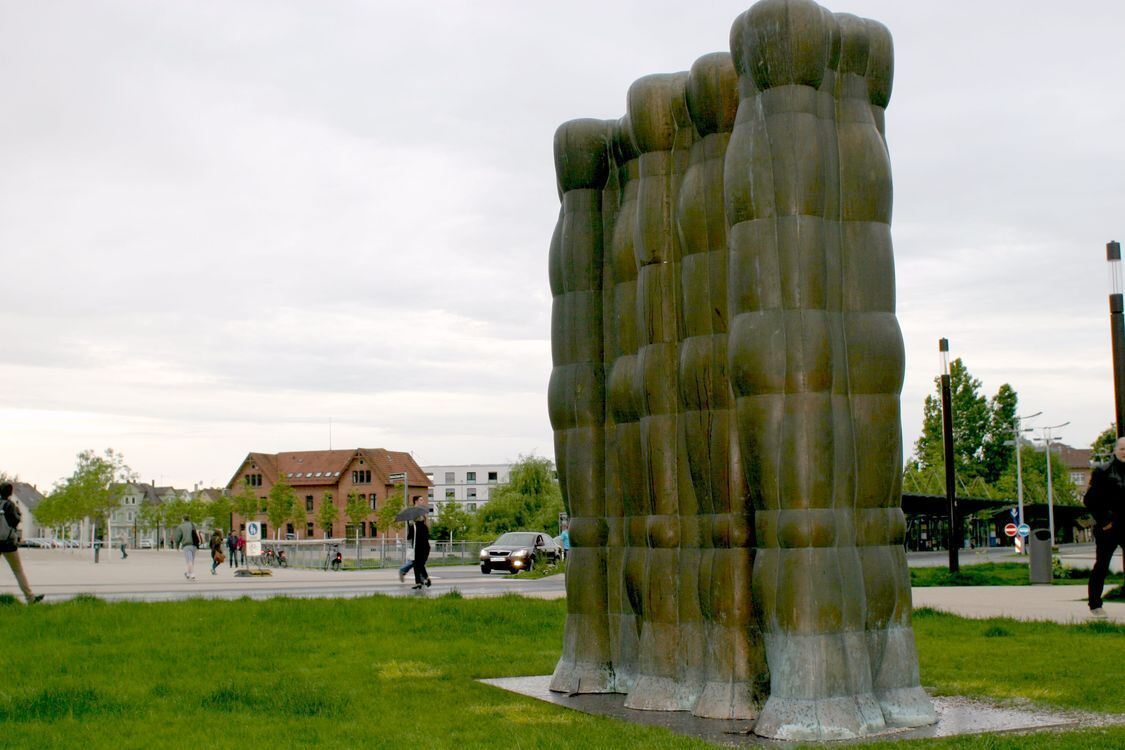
(186, 537)
(9, 540)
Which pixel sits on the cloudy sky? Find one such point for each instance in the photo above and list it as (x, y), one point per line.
(225, 223)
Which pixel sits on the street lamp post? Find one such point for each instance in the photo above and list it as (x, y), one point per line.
(1117, 331)
(1019, 467)
(1047, 437)
(954, 538)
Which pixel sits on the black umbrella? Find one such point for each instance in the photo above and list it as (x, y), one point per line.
(411, 514)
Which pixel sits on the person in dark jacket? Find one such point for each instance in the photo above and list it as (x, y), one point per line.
(1105, 499)
(9, 548)
(232, 549)
(410, 542)
(421, 553)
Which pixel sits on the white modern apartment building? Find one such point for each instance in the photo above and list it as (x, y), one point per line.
(467, 484)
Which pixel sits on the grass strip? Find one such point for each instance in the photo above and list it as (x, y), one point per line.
(387, 672)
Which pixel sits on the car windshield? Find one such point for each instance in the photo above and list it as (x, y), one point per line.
(517, 539)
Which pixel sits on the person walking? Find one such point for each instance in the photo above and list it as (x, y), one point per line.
(410, 544)
(564, 539)
(421, 553)
(1105, 499)
(242, 547)
(186, 537)
(216, 550)
(9, 542)
(232, 549)
(124, 554)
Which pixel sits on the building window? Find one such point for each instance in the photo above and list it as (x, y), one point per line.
(254, 480)
(430, 494)
(374, 500)
(262, 509)
(450, 493)
(472, 493)
(1078, 478)
(492, 476)
(450, 478)
(308, 530)
(472, 506)
(308, 503)
(470, 476)
(361, 476)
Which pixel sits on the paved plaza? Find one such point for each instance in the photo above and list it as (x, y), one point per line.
(152, 575)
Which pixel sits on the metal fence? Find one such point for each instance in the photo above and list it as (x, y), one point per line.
(317, 554)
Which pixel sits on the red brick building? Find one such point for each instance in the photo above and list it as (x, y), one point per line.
(313, 473)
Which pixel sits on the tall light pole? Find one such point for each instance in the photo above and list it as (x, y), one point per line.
(1047, 437)
(1019, 467)
(954, 538)
(1117, 331)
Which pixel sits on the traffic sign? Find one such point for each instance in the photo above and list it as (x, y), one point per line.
(1014, 512)
(1010, 529)
(253, 531)
(1024, 529)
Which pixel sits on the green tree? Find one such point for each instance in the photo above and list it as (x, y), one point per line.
(980, 428)
(996, 450)
(1102, 447)
(1034, 475)
(385, 516)
(280, 505)
(219, 510)
(531, 500)
(327, 513)
(452, 521)
(92, 491)
(155, 516)
(6, 477)
(247, 504)
(356, 510)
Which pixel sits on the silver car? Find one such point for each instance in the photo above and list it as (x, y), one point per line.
(519, 550)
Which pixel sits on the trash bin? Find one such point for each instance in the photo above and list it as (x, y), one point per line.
(1039, 548)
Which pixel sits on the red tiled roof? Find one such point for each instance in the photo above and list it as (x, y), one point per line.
(305, 468)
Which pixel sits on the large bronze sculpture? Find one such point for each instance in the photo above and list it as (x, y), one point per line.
(725, 395)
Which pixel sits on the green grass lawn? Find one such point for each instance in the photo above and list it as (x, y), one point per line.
(996, 574)
(386, 672)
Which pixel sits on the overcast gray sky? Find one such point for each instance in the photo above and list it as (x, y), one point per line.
(224, 223)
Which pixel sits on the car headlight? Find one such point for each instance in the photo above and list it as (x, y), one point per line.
(484, 553)
(520, 553)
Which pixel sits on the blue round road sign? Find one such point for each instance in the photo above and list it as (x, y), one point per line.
(1024, 529)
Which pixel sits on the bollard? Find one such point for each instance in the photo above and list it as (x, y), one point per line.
(97, 549)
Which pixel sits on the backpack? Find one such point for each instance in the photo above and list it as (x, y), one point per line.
(8, 533)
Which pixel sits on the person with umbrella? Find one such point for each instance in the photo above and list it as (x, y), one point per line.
(421, 552)
(410, 515)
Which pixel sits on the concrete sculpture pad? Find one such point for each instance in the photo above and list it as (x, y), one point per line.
(955, 716)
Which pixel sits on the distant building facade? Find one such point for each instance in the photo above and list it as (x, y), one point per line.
(312, 474)
(467, 484)
(1078, 462)
(27, 498)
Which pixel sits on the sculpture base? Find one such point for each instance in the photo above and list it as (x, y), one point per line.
(955, 716)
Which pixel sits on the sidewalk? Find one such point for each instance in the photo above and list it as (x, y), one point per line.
(1065, 603)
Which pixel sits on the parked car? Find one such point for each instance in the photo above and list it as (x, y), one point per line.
(145, 544)
(519, 550)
